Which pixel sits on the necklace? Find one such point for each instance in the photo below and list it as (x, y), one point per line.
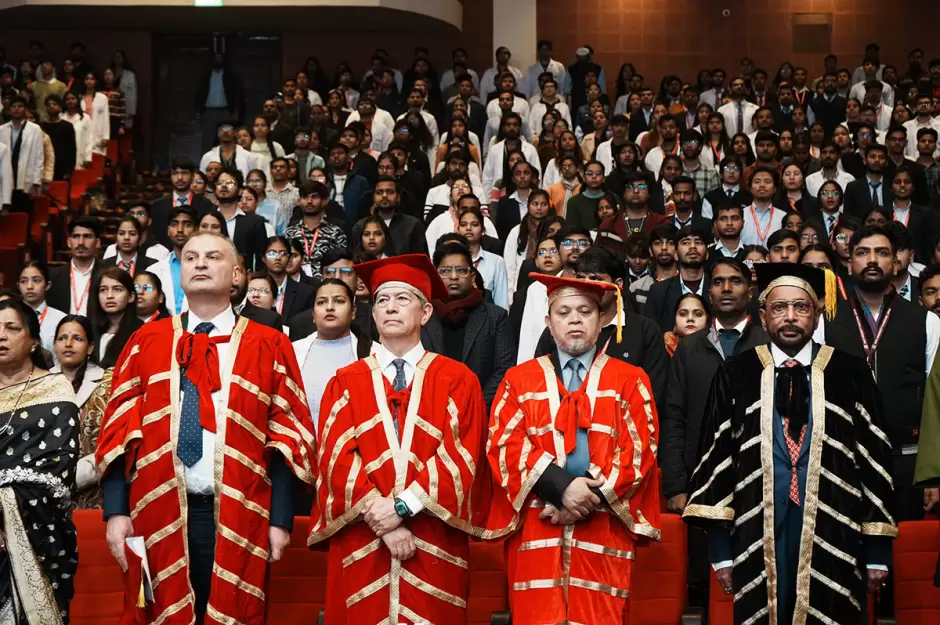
(638, 228)
(19, 399)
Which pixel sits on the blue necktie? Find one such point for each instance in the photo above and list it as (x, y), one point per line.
(189, 445)
(728, 339)
(399, 384)
(579, 459)
(574, 382)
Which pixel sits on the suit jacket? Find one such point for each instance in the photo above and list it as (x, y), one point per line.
(160, 216)
(638, 124)
(364, 165)
(858, 196)
(59, 295)
(922, 223)
(489, 347)
(142, 263)
(661, 302)
(250, 239)
(298, 297)
(265, 317)
(507, 216)
(356, 186)
(918, 177)
(829, 114)
(407, 234)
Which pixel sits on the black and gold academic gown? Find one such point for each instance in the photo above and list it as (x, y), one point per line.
(845, 522)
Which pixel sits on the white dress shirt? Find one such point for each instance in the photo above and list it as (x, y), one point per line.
(386, 364)
(912, 126)
(519, 106)
(816, 180)
(492, 268)
(730, 112)
(530, 84)
(80, 281)
(49, 319)
(199, 478)
(887, 93)
(755, 233)
(488, 82)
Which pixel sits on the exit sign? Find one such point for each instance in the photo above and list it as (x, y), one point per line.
(208, 3)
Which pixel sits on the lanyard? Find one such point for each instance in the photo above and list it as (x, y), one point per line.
(762, 234)
(883, 323)
(42, 317)
(153, 316)
(801, 97)
(907, 217)
(77, 304)
(308, 251)
(128, 267)
(716, 150)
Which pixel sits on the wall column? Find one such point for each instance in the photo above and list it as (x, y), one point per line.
(514, 26)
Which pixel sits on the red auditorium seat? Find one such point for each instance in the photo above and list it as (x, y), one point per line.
(489, 590)
(916, 599)
(99, 584)
(297, 584)
(659, 588)
(14, 234)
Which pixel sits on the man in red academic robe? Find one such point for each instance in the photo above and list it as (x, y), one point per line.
(573, 445)
(403, 478)
(206, 426)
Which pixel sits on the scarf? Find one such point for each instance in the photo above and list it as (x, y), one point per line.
(455, 312)
(532, 238)
(569, 186)
(574, 412)
(198, 356)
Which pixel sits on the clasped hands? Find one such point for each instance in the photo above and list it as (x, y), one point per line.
(578, 502)
(382, 518)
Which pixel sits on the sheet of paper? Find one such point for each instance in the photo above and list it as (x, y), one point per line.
(137, 545)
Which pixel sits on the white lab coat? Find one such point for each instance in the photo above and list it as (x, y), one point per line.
(100, 117)
(6, 175)
(83, 139)
(245, 161)
(493, 168)
(29, 171)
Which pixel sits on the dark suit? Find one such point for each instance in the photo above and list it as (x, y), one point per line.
(662, 300)
(783, 120)
(265, 317)
(507, 216)
(364, 165)
(489, 347)
(250, 239)
(301, 325)
(141, 264)
(918, 177)
(638, 124)
(355, 188)
(298, 297)
(698, 222)
(160, 216)
(59, 294)
(858, 196)
(922, 224)
(829, 114)
(407, 234)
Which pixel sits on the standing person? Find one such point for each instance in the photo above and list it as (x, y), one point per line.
(730, 170)
(305, 158)
(314, 231)
(392, 388)
(95, 107)
(128, 256)
(691, 252)
(84, 142)
(33, 285)
(211, 402)
(290, 297)
(829, 158)
(73, 284)
(636, 216)
(182, 173)
(466, 328)
(219, 97)
(870, 190)
(24, 139)
(126, 81)
(570, 484)
(46, 86)
(182, 225)
(776, 429)
(694, 365)
(228, 153)
(246, 230)
(113, 315)
(490, 265)
(407, 231)
(581, 209)
(64, 138)
(899, 341)
(728, 225)
(39, 475)
(738, 112)
(762, 218)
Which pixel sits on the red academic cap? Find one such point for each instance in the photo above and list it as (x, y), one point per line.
(414, 271)
(563, 287)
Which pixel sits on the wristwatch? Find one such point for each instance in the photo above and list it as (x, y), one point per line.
(401, 508)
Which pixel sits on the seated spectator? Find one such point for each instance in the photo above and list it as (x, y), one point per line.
(248, 204)
(113, 315)
(522, 242)
(691, 316)
(151, 302)
(262, 290)
(316, 234)
(447, 221)
(408, 233)
(375, 239)
(33, 284)
(261, 142)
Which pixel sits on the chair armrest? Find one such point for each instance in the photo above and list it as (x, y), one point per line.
(691, 616)
(886, 620)
(321, 616)
(500, 618)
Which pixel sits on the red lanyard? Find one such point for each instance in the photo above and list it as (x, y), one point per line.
(128, 267)
(153, 316)
(870, 349)
(675, 150)
(906, 219)
(42, 317)
(762, 234)
(308, 251)
(800, 97)
(78, 303)
(716, 151)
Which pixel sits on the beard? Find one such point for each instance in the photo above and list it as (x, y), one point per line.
(576, 347)
(796, 336)
(871, 283)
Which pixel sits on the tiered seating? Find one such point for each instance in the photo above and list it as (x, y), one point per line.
(916, 599)
(99, 585)
(297, 584)
(659, 588)
(14, 234)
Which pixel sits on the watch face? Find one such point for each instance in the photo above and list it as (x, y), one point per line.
(401, 508)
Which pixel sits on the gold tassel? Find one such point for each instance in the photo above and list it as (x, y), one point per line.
(831, 294)
(142, 597)
(619, 316)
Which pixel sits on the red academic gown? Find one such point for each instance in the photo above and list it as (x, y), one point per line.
(264, 410)
(576, 573)
(440, 459)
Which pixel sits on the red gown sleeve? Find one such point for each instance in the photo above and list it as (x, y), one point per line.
(632, 482)
(120, 431)
(290, 428)
(343, 486)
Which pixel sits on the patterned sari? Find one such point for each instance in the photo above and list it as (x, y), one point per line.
(38, 452)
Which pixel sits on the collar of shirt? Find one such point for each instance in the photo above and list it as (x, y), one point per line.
(41, 308)
(412, 358)
(224, 322)
(735, 189)
(740, 327)
(586, 359)
(699, 291)
(238, 213)
(721, 246)
(87, 272)
(804, 356)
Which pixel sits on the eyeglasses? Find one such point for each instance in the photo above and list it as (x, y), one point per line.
(593, 172)
(225, 183)
(581, 243)
(445, 272)
(138, 214)
(730, 168)
(802, 308)
(830, 193)
(548, 252)
(842, 238)
(690, 142)
(637, 187)
(144, 288)
(404, 130)
(806, 236)
(275, 254)
(226, 128)
(338, 271)
(302, 135)
(864, 134)
(260, 291)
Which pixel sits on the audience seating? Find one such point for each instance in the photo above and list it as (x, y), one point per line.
(14, 233)
(297, 584)
(659, 592)
(916, 599)
(99, 586)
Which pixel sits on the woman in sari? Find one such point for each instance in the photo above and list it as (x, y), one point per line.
(39, 438)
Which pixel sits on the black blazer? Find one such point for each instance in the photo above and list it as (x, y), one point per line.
(141, 264)
(60, 293)
(298, 297)
(507, 216)
(858, 196)
(661, 302)
(638, 124)
(250, 239)
(160, 216)
(265, 317)
(489, 347)
(829, 114)
(918, 177)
